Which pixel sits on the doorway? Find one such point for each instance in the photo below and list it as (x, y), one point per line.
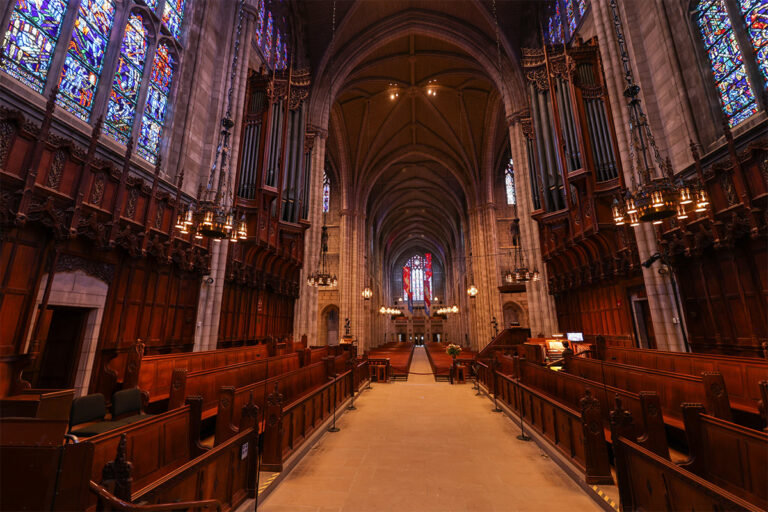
(332, 326)
(60, 352)
(641, 316)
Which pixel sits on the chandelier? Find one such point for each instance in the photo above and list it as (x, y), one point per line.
(520, 272)
(390, 311)
(212, 216)
(654, 198)
(448, 310)
(321, 278)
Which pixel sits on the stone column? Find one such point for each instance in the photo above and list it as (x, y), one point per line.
(658, 288)
(306, 311)
(209, 305)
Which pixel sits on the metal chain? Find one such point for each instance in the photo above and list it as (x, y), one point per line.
(223, 146)
(498, 39)
(638, 119)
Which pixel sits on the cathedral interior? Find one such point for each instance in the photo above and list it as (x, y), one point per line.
(293, 255)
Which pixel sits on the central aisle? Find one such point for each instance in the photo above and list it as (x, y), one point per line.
(425, 446)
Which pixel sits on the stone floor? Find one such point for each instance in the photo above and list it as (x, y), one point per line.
(425, 446)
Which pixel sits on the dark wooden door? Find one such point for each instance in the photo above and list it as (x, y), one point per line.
(61, 351)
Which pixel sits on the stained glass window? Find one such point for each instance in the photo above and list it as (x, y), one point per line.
(416, 264)
(173, 13)
(268, 39)
(85, 56)
(326, 193)
(725, 58)
(555, 26)
(157, 102)
(570, 14)
(278, 50)
(756, 19)
(581, 6)
(260, 24)
(30, 40)
(509, 183)
(151, 3)
(125, 87)
(285, 55)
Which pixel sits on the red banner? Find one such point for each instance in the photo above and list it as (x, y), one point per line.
(407, 287)
(427, 282)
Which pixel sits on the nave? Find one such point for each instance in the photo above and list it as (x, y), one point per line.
(424, 445)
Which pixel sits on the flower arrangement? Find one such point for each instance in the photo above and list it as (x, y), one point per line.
(453, 350)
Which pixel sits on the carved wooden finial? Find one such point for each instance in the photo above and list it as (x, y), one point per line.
(180, 181)
(116, 474)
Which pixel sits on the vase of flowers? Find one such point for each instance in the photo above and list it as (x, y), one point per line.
(453, 350)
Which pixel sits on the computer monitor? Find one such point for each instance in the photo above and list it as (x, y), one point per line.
(575, 336)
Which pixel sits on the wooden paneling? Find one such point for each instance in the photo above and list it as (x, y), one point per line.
(725, 294)
(249, 314)
(600, 309)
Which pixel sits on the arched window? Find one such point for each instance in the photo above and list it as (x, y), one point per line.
(85, 56)
(31, 39)
(562, 28)
(416, 264)
(726, 57)
(30, 43)
(173, 13)
(268, 39)
(509, 183)
(260, 17)
(157, 104)
(125, 87)
(756, 18)
(326, 193)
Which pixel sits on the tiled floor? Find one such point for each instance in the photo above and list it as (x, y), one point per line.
(425, 446)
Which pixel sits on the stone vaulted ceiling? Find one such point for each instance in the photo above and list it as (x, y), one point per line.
(416, 163)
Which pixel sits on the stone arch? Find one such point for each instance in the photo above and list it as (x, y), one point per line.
(330, 325)
(514, 311)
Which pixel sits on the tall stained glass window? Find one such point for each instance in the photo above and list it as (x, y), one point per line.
(326, 193)
(509, 183)
(726, 61)
(151, 3)
(157, 104)
(278, 49)
(125, 86)
(85, 56)
(416, 263)
(756, 19)
(173, 13)
(260, 16)
(31, 39)
(555, 26)
(268, 39)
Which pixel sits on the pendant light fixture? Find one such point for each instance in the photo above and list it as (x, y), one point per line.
(657, 195)
(212, 216)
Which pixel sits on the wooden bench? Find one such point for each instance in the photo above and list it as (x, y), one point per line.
(742, 375)
(726, 469)
(400, 356)
(673, 388)
(38, 403)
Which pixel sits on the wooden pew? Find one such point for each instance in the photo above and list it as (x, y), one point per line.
(289, 423)
(647, 481)
(673, 388)
(156, 445)
(207, 382)
(221, 478)
(38, 403)
(577, 433)
(569, 390)
(441, 362)
(742, 375)
(48, 476)
(400, 356)
(154, 372)
(731, 456)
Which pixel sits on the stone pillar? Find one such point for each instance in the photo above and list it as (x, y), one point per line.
(209, 304)
(658, 288)
(305, 319)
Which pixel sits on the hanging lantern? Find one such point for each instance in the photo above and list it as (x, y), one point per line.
(472, 291)
(367, 293)
(701, 200)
